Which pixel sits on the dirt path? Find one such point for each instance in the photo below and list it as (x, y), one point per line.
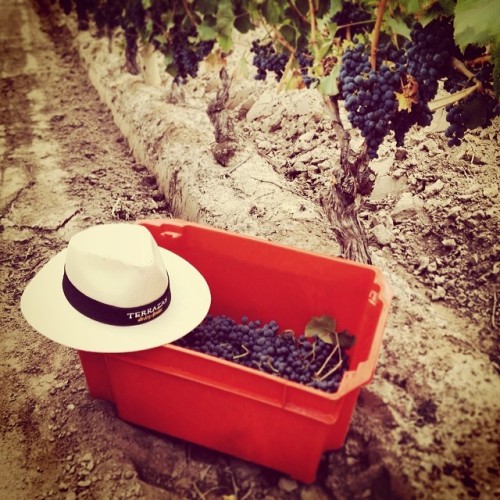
(428, 425)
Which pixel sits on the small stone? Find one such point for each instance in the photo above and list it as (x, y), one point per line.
(158, 196)
(423, 263)
(439, 293)
(288, 485)
(406, 207)
(449, 243)
(63, 486)
(128, 474)
(439, 280)
(432, 267)
(434, 188)
(491, 191)
(454, 211)
(70, 407)
(88, 457)
(383, 235)
(313, 492)
(85, 483)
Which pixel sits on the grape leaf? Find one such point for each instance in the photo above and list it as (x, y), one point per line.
(241, 69)
(346, 340)
(328, 85)
(495, 59)
(335, 7)
(206, 6)
(476, 22)
(410, 6)
(206, 30)
(289, 33)
(243, 22)
(404, 103)
(224, 24)
(398, 26)
(272, 11)
(322, 327)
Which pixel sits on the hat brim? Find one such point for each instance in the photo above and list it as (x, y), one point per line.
(47, 310)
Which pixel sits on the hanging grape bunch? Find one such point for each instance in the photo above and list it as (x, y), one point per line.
(476, 109)
(267, 59)
(354, 17)
(370, 95)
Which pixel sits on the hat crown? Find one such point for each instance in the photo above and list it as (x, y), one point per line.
(116, 264)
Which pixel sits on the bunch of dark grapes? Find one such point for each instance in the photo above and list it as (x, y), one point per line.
(316, 364)
(427, 59)
(455, 81)
(135, 16)
(420, 114)
(429, 53)
(66, 6)
(305, 61)
(464, 115)
(457, 127)
(267, 59)
(370, 95)
(107, 16)
(478, 108)
(186, 55)
(83, 7)
(351, 14)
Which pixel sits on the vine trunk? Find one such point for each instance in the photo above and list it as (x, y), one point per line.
(348, 185)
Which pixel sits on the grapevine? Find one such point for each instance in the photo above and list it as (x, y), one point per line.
(389, 64)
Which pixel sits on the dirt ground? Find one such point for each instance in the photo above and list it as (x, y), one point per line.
(426, 427)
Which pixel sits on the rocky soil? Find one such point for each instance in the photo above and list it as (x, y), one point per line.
(426, 427)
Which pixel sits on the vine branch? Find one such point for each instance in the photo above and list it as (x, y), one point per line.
(298, 12)
(314, 41)
(189, 13)
(281, 39)
(376, 33)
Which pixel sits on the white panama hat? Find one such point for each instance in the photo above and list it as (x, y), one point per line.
(113, 289)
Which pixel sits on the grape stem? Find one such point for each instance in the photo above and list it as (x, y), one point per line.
(453, 98)
(327, 360)
(281, 39)
(189, 13)
(243, 354)
(479, 61)
(298, 12)
(376, 33)
(460, 66)
(314, 42)
(357, 23)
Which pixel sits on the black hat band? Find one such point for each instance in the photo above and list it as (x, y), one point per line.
(112, 315)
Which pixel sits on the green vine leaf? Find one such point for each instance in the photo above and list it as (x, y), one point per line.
(224, 25)
(495, 59)
(289, 33)
(241, 70)
(346, 340)
(328, 85)
(398, 26)
(476, 22)
(206, 30)
(322, 327)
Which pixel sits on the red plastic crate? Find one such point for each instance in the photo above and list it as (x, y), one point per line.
(231, 408)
